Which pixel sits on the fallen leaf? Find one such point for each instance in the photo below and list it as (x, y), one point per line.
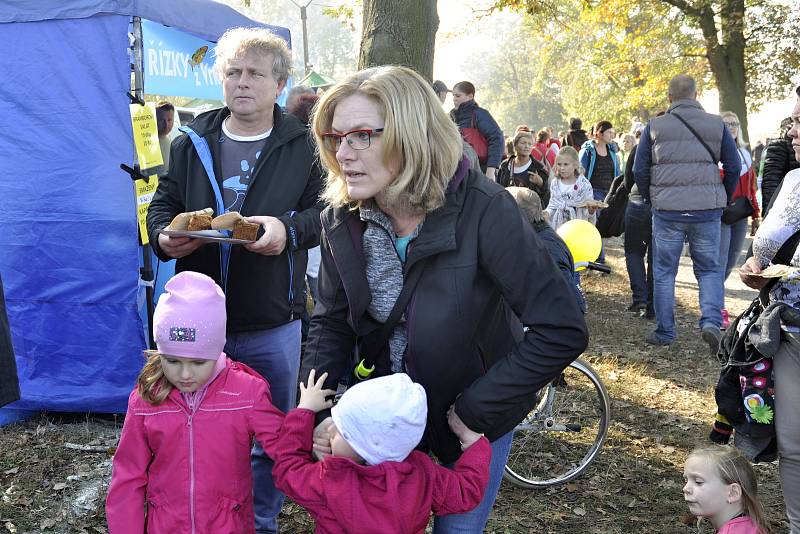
(59, 486)
(12, 471)
(688, 519)
(570, 487)
(47, 523)
(579, 511)
(11, 527)
(632, 504)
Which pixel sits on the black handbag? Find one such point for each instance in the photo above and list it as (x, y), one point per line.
(611, 220)
(740, 208)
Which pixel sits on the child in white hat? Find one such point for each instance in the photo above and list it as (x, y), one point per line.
(374, 481)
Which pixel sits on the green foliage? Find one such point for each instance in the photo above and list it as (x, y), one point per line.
(613, 58)
(510, 81)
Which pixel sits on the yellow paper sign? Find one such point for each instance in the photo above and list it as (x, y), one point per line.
(144, 194)
(145, 135)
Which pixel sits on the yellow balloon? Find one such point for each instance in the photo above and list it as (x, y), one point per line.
(583, 241)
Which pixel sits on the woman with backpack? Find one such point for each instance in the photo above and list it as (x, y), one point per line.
(478, 127)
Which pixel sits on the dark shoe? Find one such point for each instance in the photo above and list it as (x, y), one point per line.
(647, 314)
(711, 335)
(637, 307)
(652, 339)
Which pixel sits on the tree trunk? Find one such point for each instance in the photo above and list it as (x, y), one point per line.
(726, 58)
(399, 33)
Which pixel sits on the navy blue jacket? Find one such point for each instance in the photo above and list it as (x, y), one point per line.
(486, 125)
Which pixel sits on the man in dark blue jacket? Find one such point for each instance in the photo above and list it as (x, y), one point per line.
(467, 114)
(676, 170)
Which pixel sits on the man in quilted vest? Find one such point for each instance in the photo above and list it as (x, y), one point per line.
(677, 172)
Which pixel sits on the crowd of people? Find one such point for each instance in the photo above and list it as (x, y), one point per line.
(425, 340)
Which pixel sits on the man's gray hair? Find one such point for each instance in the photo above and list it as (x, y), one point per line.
(682, 87)
(237, 42)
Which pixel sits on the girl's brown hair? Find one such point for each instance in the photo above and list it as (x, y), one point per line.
(733, 468)
(151, 384)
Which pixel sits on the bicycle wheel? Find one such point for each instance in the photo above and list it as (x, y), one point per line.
(564, 432)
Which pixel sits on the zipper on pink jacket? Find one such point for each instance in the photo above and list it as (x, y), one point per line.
(192, 409)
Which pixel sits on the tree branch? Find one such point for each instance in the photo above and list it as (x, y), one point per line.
(686, 7)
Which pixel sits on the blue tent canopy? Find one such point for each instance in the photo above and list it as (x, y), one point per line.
(69, 255)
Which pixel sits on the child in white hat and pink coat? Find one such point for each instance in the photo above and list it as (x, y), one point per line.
(374, 481)
(185, 445)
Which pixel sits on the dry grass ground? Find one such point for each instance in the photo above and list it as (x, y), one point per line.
(662, 406)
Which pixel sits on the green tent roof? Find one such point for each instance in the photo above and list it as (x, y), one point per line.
(315, 79)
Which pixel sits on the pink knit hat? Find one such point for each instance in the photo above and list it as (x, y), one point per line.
(189, 321)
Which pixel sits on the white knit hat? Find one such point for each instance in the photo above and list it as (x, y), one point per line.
(382, 419)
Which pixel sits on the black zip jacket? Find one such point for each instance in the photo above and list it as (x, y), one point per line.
(464, 344)
(778, 160)
(262, 291)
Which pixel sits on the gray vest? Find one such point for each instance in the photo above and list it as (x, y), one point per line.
(683, 176)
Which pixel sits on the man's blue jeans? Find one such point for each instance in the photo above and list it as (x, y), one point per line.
(638, 246)
(668, 239)
(275, 355)
(475, 521)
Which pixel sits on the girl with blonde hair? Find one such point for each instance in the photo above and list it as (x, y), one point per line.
(570, 192)
(185, 446)
(722, 487)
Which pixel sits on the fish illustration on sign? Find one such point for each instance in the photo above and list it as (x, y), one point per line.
(198, 56)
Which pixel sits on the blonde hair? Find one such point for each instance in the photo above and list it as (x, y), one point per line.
(151, 384)
(520, 135)
(733, 468)
(567, 152)
(238, 42)
(416, 132)
(739, 137)
(529, 203)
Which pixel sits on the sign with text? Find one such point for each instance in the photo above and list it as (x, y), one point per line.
(144, 194)
(178, 64)
(145, 136)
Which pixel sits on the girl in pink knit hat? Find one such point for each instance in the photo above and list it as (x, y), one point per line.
(183, 460)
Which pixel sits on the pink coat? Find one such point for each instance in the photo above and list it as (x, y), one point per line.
(192, 467)
(739, 525)
(392, 497)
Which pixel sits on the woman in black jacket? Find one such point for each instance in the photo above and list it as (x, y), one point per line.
(521, 170)
(403, 204)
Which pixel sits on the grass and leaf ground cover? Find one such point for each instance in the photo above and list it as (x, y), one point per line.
(54, 469)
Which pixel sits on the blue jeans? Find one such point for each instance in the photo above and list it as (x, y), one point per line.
(638, 238)
(275, 355)
(600, 194)
(475, 521)
(668, 239)
(731, 240)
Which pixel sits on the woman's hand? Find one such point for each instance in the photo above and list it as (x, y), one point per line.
(466, 436)
(312, 396)
(535, 179)
(322, 439)
(750, 267)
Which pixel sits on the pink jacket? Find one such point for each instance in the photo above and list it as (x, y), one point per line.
(392, 497)
(739, 525)
(192, 466)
